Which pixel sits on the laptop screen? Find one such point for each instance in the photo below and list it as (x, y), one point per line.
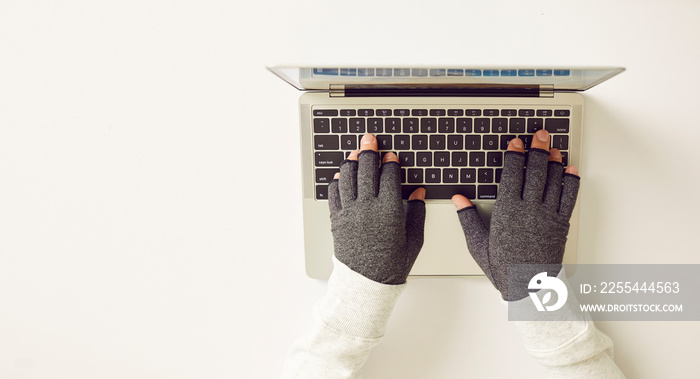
(562, 78)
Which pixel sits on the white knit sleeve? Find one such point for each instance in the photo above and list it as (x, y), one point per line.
(348, 322)
(571, 346)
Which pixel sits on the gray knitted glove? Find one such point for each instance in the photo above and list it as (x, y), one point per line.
(372, 233)
(529, 224)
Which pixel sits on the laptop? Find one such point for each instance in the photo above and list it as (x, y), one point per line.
(449, 126)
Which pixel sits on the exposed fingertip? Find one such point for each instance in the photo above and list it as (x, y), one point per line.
(353, 155)
(572, 170)
(554, 155)
(336, 175)
(516, 144)
(461, 202)
(418, 194)
(390, 157)
(368, 142)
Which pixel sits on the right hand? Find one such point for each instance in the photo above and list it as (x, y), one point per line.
(530, 219)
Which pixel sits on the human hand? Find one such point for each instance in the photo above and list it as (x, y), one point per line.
(372, 233)
(530, 219)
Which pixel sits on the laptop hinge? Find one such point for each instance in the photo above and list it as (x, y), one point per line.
(443, 90)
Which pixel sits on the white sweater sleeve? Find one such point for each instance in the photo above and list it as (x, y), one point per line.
(571, 346)
(348, 322)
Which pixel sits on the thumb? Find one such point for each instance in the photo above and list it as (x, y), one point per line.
(477, 235)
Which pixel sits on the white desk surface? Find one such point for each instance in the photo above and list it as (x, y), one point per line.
(134, 136)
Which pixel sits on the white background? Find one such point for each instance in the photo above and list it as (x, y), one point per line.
(150, 201)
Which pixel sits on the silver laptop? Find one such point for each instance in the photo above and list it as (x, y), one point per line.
(449, 127)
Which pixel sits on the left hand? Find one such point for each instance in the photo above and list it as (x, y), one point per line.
(372, 233)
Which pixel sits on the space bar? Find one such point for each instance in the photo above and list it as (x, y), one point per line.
(443, 191)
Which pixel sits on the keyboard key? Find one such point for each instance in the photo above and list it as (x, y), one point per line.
(419, 142)
(383, 112)
(499, 125)
(326, 142)
(450, 175)
(494, 159)
(438, 72)
(348, 142)
(565, 158)
(509, 112)
(437, 112)
(442, 159)
(347, 112)
(517, 125)
(467, 175)
(428, 125)
(482, 125)
(339, 125)
(446, 125)
(455, 112)
(402, 142)
(357, 125)
(459, 159)
(392, 125)
(322, 125)
(325, 175)
(348, 71)
(477, 159)
(441, 191)
(410, 125)
(491, 142)
(561, 142)
(472, 112)
(464, 125)
(424, 158)
(419, 112)
(414, 175)
(562, 113)
(472, 142)
(402, 112)
(487, 192)
(325, 112)
(484, 175)
(557, 125)
(499, 172)
(437, 142)
(454, 142)
(365, 112)
(328, 159)
(433, 175)
(534, 124)
(491, 112)
(322, 192)
(526, 112)
(375, 125)
(384, 142)
(406, 158)
(419, 72)
(544, 112)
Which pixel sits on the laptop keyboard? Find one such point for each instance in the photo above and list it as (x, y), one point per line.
(446, 151)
